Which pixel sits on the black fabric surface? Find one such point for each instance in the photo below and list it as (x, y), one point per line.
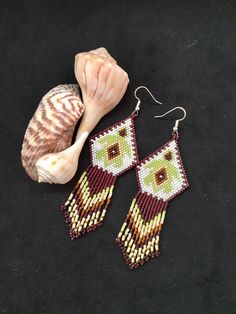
(185, 52)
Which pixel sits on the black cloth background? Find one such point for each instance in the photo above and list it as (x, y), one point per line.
(185, 52)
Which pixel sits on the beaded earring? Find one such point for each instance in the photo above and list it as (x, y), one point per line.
(112, 152)
(161, 177)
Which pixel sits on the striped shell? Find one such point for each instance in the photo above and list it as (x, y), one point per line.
(52, 126)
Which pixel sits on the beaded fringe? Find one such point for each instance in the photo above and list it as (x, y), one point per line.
(139, 235)
(86, 206)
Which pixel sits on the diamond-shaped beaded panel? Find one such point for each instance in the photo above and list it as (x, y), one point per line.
(114, 149)
(162, 173)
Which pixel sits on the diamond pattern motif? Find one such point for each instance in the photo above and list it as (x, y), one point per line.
(162, 174)
(114, 149)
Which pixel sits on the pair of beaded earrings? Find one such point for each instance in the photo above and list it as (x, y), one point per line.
(160, 177)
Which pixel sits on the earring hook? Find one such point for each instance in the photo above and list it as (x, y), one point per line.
(137, 107)
(175, 128)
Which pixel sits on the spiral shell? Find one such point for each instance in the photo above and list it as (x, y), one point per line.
(46, 152)
(102, 81)
(52, 126)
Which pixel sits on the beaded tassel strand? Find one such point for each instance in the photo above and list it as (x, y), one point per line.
(112, 151)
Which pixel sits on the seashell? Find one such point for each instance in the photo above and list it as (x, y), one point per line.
(60, 167)
(51, 128)
(103, 84)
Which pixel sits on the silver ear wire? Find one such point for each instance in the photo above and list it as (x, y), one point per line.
(175, 128)
(137, 107)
